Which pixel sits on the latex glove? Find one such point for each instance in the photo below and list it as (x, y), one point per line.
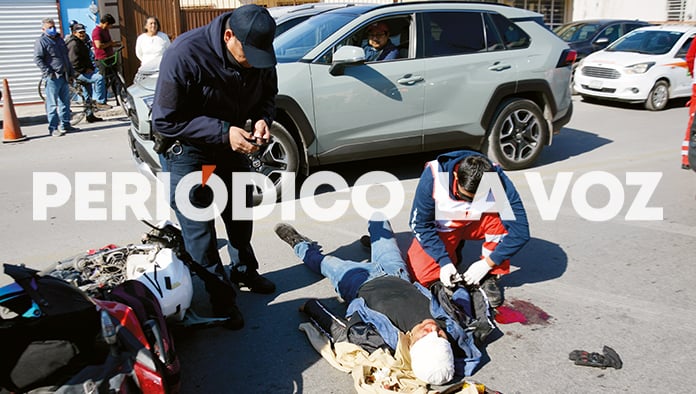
(476, 272)
(446, 274)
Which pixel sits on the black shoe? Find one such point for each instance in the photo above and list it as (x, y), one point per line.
(365, 241)
(92, 119)
(70, 129)
(493, 291)
(288, 234)
(235, 320)
(255, 282)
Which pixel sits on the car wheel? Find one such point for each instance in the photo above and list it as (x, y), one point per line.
(658, 96)
(278, 157)
(518, 134)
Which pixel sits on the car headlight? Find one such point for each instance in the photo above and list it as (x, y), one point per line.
(148, 100)
(639, 68)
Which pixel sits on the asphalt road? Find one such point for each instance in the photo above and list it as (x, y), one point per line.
(583, 283)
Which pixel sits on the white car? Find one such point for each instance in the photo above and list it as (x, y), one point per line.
(647, 66)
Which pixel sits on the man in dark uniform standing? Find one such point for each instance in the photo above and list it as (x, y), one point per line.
(213, 80)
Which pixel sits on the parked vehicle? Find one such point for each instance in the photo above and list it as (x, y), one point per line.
(481, 76)
(291, 15)
(589, 36)
(647, 66)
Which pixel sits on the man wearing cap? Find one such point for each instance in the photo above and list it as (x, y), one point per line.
(380, 293)
(80, 57)
(213, 80)
(379, 46)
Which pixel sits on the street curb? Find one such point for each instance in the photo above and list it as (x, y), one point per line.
(34, 120)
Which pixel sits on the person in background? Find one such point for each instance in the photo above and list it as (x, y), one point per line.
(79, 54)
(104, 45)
(379, 45)
(151, 44)
(51, 56)
(690, 56)
(87, 40)
(212, 81)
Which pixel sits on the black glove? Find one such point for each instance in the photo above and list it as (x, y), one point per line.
(609, 359)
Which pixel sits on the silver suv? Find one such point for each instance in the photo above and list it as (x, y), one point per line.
(481, 76)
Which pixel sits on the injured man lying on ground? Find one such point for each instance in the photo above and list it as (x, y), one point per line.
(396, 331)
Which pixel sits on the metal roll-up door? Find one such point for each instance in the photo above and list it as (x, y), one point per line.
(20, 26)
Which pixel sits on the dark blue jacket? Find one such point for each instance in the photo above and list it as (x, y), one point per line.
(201, 89)
(464, 366)
(51, 56)
(423, 222)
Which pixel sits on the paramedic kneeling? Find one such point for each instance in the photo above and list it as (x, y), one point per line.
(448, 185)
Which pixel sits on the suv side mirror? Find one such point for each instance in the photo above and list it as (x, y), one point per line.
(601, 42)
(346, 55)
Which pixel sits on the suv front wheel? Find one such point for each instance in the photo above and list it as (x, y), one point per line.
(517, 135)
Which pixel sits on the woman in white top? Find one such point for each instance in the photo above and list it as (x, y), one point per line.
(151, 45)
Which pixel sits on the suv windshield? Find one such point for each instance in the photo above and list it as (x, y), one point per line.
(650, 42)
(296, 42)
(577, 32)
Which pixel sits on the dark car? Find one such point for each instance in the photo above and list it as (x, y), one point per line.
(592, 35)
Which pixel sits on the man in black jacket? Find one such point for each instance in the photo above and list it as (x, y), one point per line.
(81, 59)
(213, 80)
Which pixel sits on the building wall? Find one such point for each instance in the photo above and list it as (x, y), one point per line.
(649, 10)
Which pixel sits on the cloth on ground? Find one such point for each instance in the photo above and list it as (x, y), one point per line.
(371, 372)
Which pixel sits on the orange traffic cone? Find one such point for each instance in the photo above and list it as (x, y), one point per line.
(10, 122)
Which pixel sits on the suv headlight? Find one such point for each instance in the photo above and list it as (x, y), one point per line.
(639, 68)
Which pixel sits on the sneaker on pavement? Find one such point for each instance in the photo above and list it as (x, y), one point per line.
(70, 129)
(57, 133)
(253, 280)
(101, 106)
(288, 234)
(92, 119)
(235, 320)
(493, 291)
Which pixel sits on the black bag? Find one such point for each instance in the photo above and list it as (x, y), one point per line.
(479, 323)
(54, 335)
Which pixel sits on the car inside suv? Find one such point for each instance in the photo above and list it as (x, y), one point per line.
(468, 75)
(589, 36)
(647, 65)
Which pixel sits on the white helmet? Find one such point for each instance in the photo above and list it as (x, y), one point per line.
(166, 276)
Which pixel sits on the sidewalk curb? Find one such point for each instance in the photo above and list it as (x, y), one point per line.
(33, 120)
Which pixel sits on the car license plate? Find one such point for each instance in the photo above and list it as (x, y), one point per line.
(595, 84)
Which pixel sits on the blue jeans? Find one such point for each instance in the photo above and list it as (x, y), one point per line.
(348, 276)
(200, 238)
(98, 93)
(57, 103)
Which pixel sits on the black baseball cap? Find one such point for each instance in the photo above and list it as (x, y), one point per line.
(255, 28)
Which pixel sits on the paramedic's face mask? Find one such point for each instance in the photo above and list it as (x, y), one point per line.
(424, 328)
